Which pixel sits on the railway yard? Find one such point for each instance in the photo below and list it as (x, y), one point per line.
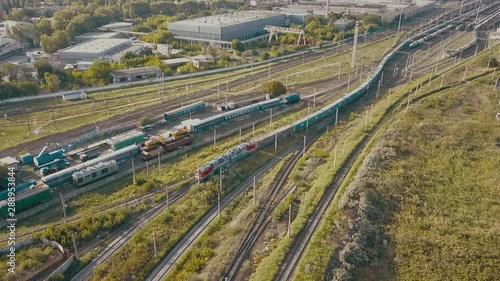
(207, 178)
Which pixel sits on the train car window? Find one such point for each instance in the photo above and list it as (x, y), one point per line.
(94, 175)
(80, 180)
(105, 170)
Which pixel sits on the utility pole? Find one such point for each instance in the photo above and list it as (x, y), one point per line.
(314, 98)
(271, 118)
(335, 158)
(240, 134)
(289, 219)
(399, 24)
(215, 138)
(159, 164)
(336, 116)
(304, 149)
(64, 208)
(220, 179)
(339, 72)
(254, 191)
(269, 69)
(218, 204)
(166, 192)
(349, 82)
(275, 143)
(74, 244)
(371, 114)
(353, 61)
(154, 243)
(133, 172)
(253, 131)
(147, 170)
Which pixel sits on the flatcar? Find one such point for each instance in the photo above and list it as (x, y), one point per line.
(94, 173)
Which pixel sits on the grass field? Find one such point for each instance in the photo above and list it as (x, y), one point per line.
(429, 191)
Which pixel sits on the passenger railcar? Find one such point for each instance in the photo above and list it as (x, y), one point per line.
(270, 103)
(183, 111)
(65, 176)
(94, 173)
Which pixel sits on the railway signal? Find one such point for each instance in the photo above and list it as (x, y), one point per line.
(64, 208)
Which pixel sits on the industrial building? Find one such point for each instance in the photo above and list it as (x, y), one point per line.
(222, 29)
(134, 74)
(98, 49)
(387, 9)
(96, 35)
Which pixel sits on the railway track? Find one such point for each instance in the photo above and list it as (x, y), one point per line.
(162, 269)
(116, 245)
(264, 215)
(292, 258)
(130, 118)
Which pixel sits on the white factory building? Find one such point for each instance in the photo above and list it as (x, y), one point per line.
(109, 49)
(387, 9)
(222, 29)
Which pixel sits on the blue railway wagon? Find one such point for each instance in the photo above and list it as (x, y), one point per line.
(293, 98)
(19, 187)
(270, 103)
(242, 111)
(207, 123)
(65, 176)
(183, 111)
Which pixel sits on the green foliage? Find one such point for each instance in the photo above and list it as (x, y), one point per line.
(56, 277)
(44, 26)
(265, 56)
(275, 88)
(98, 74)
(188, 68)
(86, 229)
(17, 89)
(58, 40)
(25, 33)
(158, 37)
(52, 82)
(237, 45)
(80, 24)
(20, 14)
(17, 73)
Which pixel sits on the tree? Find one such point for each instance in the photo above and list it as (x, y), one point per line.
(80, 24)
(20, 14)
(63, 17)
(265, 55)
(16, 73)
(42, 67)
(98, 74)
(52, 82)
(25, 33)
(44, 26)
(212, 52)
(158, 37)
(237, 45)
(275, 89)
(188, 68)
(163, 8)
(58, 40)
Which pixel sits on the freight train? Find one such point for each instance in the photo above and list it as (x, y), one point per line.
(210, 168)
(227, 116)
(66, 176)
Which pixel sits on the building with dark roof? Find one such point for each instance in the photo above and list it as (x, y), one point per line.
(134, 74)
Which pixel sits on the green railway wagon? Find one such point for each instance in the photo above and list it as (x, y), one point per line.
(26, 199)
(126, 139)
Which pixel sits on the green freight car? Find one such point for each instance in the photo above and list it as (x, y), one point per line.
(26, 199)
(126, 139)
